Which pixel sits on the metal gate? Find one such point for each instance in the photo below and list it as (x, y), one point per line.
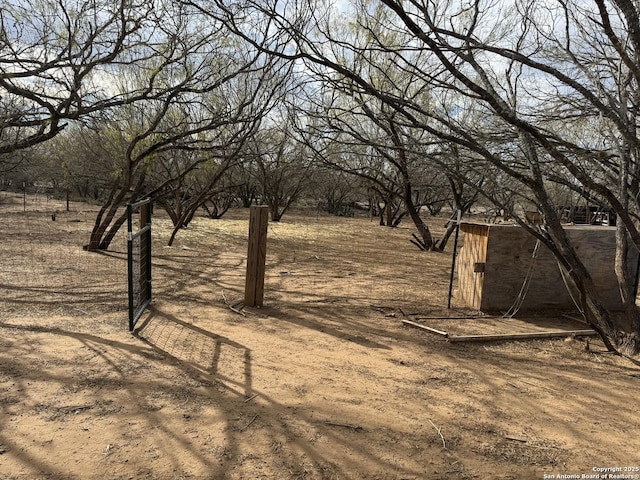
(139, 259)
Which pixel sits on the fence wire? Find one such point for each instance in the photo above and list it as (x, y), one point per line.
(44, 270)
(139, 260)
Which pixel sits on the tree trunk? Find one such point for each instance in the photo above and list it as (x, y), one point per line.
(629, 342)
(106, 216)
(169, 209)
(178, 224)
(101, 227)
(183, 221)
(173, 236)
(596, 315)
(423, 229)
(442, 243)
(103, 220)
(108, 238)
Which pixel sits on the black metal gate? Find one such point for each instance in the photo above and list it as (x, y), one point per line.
(139, 259)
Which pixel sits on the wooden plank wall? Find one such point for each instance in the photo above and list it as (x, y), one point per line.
(508, 255)
(473, 251)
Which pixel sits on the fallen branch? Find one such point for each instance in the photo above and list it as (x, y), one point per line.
(382, 308)
(232, 307)
(444, 445)
(251, 398)
(344, 425)
(249, 424)
(235, 310)
(74, 408)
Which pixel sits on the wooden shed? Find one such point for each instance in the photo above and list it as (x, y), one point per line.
(496, 259)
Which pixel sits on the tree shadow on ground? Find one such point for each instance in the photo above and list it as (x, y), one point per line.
(220, 370)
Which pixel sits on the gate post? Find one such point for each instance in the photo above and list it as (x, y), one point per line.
(139, 260)
(146, 210)
(145, 215)
(256, 255)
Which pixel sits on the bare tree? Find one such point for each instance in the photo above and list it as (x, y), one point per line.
(530, 76)
(216, 95)
(362, 137)
(63, 63)
(282, 168)
(334, 191)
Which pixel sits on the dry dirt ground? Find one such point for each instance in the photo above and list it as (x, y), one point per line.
(324, 382)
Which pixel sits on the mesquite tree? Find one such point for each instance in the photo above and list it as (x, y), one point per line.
(533, 74)
(214, 94)
(282, 168)
(60, 62)
(390, 161)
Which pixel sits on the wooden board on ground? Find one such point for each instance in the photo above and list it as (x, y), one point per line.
(499, 328)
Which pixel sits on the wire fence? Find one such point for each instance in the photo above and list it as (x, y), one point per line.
(44, 269)
(314, 264)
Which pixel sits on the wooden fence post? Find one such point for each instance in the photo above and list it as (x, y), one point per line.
(145, 215)
(256, 255)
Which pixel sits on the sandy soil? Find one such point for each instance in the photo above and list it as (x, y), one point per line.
(324, 382)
